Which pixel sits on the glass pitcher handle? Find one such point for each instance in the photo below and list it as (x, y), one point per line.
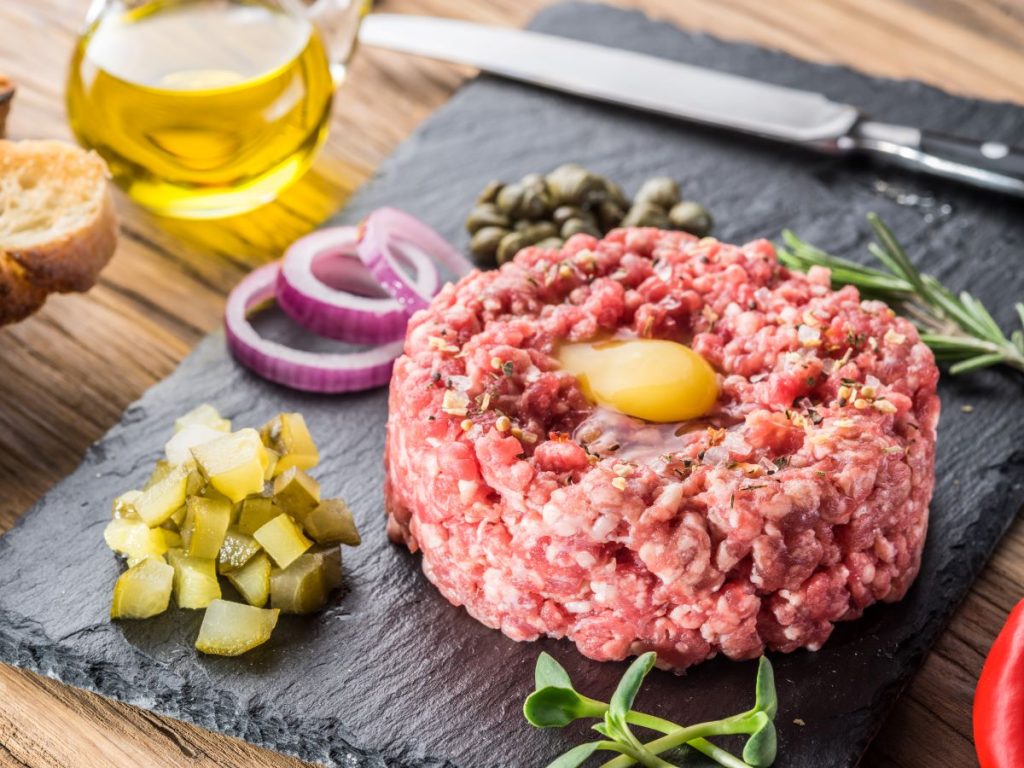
(337, 21)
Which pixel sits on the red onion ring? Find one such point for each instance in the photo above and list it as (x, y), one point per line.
(345, 314)
(308, 371)
(387, 233)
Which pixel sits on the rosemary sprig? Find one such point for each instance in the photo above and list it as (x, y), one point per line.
(958, 328)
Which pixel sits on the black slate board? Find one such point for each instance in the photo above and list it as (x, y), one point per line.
(394, 676)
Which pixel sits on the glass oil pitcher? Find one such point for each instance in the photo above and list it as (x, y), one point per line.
(208, 108)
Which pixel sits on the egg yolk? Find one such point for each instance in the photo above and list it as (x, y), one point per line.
(650, 379)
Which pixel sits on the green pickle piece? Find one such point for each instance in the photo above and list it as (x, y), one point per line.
(158, 502)
(237, 549)
(203, 415)
(124, 505)
(272, 458)
(283, 540)
(296, 493)
(304, 585)
(143, 590)
(256, 512)
(233, 464)
(330, 557)
(161, 470)
(230, 629)
(134, 539)
(195, 580)
(332, 523)
(289, 436)
(252, 580)
(210, 521)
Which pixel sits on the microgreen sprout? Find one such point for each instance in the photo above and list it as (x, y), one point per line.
(555, 703)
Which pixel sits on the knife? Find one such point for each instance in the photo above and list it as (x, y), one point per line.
(700, 95)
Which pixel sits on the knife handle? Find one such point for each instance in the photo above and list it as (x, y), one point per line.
(990, 164)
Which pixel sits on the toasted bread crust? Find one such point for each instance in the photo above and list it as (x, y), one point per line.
(68, 251)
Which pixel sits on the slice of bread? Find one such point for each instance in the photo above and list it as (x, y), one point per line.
(57, 223)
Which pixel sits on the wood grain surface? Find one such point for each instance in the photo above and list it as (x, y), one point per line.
(67, 373)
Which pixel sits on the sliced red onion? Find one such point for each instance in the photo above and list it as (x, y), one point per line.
(309, 371)
(388, 236)
(350, 313)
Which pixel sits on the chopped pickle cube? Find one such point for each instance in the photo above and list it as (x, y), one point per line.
(272, 458)
(143, 590)
(288, 434)
(177, 518)
(179, 448)
(256, 512)
(134, 539)
(296, 493)
(302, 587)
(236, 550)
(161, 470)
(210, 521)
(124, 505)
(233, 464)
(172, 539)
(330, 558)
(196, 483)
(252, 580)
(283, 540)
(230, 629)
(332, 523)
(205, 415)
(195, 580)
(158, 502)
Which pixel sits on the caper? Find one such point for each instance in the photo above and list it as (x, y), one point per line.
(540, 230)
(572, 184)
(534, 181)
(510, 245)
(550, 243)
(659, 190)
(563, 213)
(510, 199)
(646, 215)
(486, 215)
(490, 192)
(609, 215)
(615, 194)
(484, 244)
(691, 217)
(576, 226)
(535, 203)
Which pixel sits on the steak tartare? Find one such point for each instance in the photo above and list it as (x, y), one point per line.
(800, 499)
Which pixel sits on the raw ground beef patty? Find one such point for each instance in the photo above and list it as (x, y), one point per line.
(800, 500)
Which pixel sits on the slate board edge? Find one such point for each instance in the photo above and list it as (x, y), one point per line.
(224, 714)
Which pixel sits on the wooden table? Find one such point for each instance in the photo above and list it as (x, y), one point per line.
(67, 373)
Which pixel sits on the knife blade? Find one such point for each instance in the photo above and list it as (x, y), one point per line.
(696, 94)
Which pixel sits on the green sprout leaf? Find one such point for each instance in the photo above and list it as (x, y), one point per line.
(576, 756)
(764, 689)
(557, 707)
(550, 674)
(760, 749)
(622, 700)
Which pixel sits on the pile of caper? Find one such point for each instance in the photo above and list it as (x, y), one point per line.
(546, 210)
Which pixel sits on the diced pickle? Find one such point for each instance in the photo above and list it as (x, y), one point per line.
(236, 550)
(296, 493)
(176, 520)
(233, 464)
(143, 590)
(230, 629)
(256, 512)
(288, 434)
(158, 502)
(272, 458)
(134, 539)
(205, 415)
(196, 482)
(283, 540)
(172, 539)
(178, 449)
(331, 523)
(124, 505)
(195, 580)
(330, 557)
(302, 587)
(252, 580)
(161, 470)
(210, 521)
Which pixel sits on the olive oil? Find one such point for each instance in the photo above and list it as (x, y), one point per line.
(202, 108)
